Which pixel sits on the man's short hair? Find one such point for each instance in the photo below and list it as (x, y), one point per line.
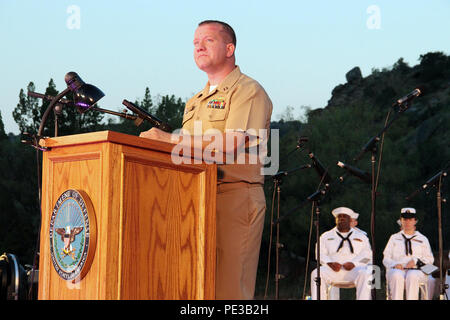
(226, 28)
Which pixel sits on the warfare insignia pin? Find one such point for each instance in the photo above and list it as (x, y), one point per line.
(72, 235)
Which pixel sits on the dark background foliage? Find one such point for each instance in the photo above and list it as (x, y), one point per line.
(414, 148)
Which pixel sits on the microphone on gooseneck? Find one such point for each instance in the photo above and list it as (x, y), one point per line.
(144, 115)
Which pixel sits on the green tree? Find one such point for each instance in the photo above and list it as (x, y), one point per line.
(28, 115)
(147, 102)
(128, 126)
(19, 209)
(168, 108)
(27, 112)
(2, 129)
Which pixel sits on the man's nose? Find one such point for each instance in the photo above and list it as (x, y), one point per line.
(200, 46)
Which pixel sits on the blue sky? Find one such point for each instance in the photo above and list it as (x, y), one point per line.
(298, 50)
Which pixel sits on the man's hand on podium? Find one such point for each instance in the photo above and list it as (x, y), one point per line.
(157, 134)
(237, 141)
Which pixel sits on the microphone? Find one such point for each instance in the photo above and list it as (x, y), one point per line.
(320, 169)
(432, 181)
(144, 115)
(364, 176)
(410, 96)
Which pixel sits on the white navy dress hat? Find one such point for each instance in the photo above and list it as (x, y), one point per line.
(408, 213)
(345, 210)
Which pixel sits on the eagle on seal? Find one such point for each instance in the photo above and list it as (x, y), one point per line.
(68, 236)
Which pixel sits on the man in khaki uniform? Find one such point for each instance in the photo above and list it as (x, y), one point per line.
(235, 106)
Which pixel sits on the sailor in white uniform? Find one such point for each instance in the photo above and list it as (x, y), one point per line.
(334, 291)
(403, 250)
(344, 256)
(354, 223)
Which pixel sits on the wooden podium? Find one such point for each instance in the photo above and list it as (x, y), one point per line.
(153, 230)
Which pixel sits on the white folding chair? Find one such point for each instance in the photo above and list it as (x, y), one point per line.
(423, 290)
(340, 285)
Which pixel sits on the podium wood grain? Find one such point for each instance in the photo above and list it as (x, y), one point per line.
(155, 220)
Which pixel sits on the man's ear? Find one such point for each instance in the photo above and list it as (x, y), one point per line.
(230, 50)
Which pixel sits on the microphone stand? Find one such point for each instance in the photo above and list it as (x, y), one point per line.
(441, 260)
(371, 146)
(315, 198)
(33, 140)
(278, 181)
(50, 107)
(436, 181)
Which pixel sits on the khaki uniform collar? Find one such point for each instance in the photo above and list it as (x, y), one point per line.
(225, 85)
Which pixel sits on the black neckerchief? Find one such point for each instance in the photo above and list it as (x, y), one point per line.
(408, 246)
(345, 239)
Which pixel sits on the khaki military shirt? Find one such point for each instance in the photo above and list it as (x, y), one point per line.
(238, 103)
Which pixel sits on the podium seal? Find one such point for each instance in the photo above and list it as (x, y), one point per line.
(72, 235)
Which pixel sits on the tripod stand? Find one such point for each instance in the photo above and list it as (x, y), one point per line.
(315, 198)
(436, 181)
(277, 182)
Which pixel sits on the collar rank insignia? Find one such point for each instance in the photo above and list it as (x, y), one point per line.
(216, 103)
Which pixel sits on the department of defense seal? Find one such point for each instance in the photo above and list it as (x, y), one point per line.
(72, 235)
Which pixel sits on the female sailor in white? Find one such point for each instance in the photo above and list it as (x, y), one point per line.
(403, 250)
